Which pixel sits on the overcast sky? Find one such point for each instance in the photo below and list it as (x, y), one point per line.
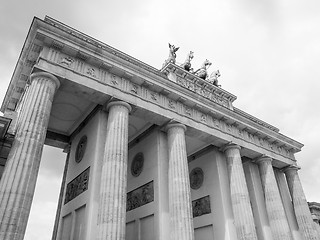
(268, 53)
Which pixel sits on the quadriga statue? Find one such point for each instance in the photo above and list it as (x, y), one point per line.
(202, 71)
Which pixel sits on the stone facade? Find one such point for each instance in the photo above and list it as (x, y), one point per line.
(152, 154)
(315, 212)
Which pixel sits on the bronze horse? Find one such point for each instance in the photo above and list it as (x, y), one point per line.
(202, 71)
(187, 63)
(172, 54)
(213, 79)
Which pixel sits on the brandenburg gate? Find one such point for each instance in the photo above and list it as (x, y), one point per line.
(151, 154)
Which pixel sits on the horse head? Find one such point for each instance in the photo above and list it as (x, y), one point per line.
(206, 64)
(215, 74)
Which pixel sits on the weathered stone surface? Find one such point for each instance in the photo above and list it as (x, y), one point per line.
(239, 194)
(77, 186)
(113, 188)
(140, 196)
(180, 208)
(19, 179)
(277, 216)
(300, 204)
(201, 206)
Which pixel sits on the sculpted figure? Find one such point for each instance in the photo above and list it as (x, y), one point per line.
(202, 71)
(67, 61)
(214, 78)
(187, 63)
(172, 54)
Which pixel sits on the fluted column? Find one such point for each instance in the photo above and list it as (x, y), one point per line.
(300, 204)
(275, 210)
(180, 208)
(19, 179)
(113, 188)
(240, 198)
(63, 184)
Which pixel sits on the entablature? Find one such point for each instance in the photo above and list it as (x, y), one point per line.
(54, 44)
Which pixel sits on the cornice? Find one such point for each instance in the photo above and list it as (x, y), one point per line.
(74, 51)
(100, 45)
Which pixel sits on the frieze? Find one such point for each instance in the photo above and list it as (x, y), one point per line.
(140, 196)
(171, 104)
(101, 45)
(67, 61)
(77, 186)
(201, 206)
(188, 111)
(188, 84)
(91, 72)
(114, 80)
(162, 99)
(154, 96)
(203, 118)
(134, 89)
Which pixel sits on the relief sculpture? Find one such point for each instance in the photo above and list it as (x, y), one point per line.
(196, 178)
(140, 196)
(77, 186)
(201, 206)
(137, 164)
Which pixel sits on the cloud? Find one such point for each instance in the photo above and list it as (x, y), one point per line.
(268, 53)
(41, 221)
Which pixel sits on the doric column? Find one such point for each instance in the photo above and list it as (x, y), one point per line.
(276, 213)
(300, 204)
(180, 209)
(19, 179)
(63, 184)
(113, 188)
(240, 199)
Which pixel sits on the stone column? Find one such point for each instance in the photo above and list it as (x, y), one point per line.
(240, 199)
(300, 204)
(276, 213)
(63, 184)
(113, 188)
(19, 179)
(180, 209)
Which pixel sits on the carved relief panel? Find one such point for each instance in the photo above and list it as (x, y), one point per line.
(77, 186)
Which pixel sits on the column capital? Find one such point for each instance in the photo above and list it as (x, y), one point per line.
(46, 75)
(263, 158)
(175, 124)
(230, 146)
(119, 103)
(291, 168)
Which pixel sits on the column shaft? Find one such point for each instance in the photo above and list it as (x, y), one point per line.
(63, 184)
(113, 189)
(300, 204)
(180, 208)
(276, 214)
(240, 199)
(19, 179)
